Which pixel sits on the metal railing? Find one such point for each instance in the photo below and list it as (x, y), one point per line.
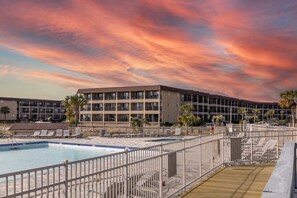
(164, 170)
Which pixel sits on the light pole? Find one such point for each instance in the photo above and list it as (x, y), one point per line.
(230, 115)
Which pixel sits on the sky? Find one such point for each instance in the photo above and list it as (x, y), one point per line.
(240, 48)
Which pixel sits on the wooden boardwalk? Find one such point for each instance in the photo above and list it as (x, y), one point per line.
(236, 181)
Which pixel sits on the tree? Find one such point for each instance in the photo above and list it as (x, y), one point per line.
(5, 110)
(218, 119)
(256, 112)
(287, 100)
(73, 104)
(242, 111)
(138, 123)
(187, 118)
(270, 114)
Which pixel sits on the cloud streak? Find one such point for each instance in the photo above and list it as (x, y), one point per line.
(247, 50)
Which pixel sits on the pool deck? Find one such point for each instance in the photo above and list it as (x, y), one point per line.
(235, 181)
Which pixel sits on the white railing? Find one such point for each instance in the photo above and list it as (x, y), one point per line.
(165, 170)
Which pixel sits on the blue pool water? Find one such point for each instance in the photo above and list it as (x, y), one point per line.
(44, 154)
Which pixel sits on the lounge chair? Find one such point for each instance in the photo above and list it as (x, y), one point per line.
(177, 132)
(50, 134)
(59, 133)
(77, 133)
(66, 133)
(43, 133)
(36, 134)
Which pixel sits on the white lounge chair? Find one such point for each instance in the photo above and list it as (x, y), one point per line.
(59, 133)
(43, 133)
(77, 133)
(177, 132)
(36, 134)
(66, 133)
(50, 134)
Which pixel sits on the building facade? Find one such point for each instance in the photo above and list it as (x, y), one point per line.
(25, 110)
(160, 105)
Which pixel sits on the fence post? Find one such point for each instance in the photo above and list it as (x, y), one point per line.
(251, 147)
(126, 174)
(223, 151)
(184, 165)
(66, 177)
(200, 156)
(161, 172)
(277, 145)
(211, 151)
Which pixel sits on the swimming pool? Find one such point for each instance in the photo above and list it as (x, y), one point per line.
(30, 155)
(165, 140)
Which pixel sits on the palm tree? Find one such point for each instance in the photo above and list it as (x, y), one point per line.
(73, 104)
(5, 110)
(287, 100)
(137, 123)
(270, 114)
(218, 119)
(242, 111)
(187, 118)
(256, 112)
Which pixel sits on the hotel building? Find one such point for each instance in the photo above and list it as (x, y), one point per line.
(25, 110)
(160, 105)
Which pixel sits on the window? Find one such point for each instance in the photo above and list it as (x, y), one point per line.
(110, 96)
(123, 106)
(97, 117)
(151, 94)
(137, 95)
(33, 104)
(151, 106)
(85, 117)
(123, 95)
(97, 96)
(137, 115)
(137, 106)
(110, 106)
(97, 107)
(186, 97)
(152, 117)
(109, 117)
(87, 107)
(123, 117)
(87, 96)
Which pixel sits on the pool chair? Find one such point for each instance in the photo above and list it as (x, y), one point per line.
(59, 133)
(43, 133)
(77, 133)
(36, 134)
(177, 132)
(50, 134)
(66, 133)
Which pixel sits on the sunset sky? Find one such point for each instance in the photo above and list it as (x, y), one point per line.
(239, 48)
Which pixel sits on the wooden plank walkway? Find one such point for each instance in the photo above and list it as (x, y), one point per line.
(235, 181)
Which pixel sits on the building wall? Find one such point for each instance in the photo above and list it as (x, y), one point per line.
(12, 116)
(170, 102)
(166, 107)
(26, 110)
(111, 107)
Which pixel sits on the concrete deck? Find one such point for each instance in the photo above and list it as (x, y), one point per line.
(237, 181)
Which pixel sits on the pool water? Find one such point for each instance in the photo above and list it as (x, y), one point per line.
(22, 157)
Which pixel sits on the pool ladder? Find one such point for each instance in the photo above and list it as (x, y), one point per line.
(12, 141)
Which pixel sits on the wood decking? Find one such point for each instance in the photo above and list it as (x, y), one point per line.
(236, 181)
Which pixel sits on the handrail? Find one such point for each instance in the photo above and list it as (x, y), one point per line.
(282, 181)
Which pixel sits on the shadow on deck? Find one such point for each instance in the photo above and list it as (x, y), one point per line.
(235, 181)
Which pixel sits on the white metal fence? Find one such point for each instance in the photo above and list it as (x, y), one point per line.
(164, 170)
